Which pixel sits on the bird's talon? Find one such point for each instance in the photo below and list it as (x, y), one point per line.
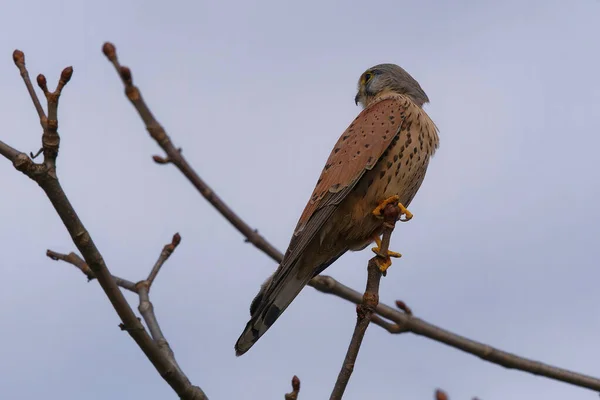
(384, 264)
(394, 254)
(378, 211)
(383, 261)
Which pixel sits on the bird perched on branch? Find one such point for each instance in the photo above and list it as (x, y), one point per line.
(381, 158)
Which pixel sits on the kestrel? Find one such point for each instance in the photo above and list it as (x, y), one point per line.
(382, 157)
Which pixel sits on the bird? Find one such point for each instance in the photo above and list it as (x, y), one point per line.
(381, 158)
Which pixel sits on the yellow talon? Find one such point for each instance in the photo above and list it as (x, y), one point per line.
(384, 262)
(378, 211)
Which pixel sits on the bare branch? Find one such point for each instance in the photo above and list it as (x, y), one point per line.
(19, 59)
(401, 321)
(365, 310)
(408, 323)
(164, 256)
(45, 175)
(78, 262)
(147, 309)
(72, 259)
(293, 395)
(174, 156)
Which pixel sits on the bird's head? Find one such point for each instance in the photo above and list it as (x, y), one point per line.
(387, 79)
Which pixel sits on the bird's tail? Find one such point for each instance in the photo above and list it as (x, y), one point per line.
(275, 296)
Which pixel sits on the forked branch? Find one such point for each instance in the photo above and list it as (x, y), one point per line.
(141, 288)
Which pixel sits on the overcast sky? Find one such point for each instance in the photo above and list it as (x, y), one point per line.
(502, 249)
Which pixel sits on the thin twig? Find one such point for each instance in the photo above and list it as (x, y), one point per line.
(293, 395)
(45, 175)
(147, 310)
(365, 310)
(146, 307)
(72, 259)
(19, 60)
(174, 156)
(164, 256)
(78, 262)
(327, 284)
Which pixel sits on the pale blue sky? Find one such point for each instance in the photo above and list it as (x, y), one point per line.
(502, 248)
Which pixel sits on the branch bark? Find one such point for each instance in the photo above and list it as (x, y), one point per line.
(400, 321)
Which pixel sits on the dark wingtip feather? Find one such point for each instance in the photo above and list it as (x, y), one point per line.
(246, 340)
(238, 348)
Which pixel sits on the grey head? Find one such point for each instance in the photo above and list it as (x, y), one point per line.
(388, 78)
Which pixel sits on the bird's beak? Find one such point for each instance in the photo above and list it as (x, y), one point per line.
(356, 98)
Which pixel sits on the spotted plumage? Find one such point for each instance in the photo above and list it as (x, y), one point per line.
(384, 152)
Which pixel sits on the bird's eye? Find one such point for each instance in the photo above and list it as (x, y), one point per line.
(368, 77)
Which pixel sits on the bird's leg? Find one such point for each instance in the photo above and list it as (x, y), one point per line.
(386, 260)
(378, 211)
